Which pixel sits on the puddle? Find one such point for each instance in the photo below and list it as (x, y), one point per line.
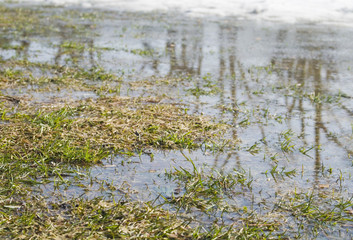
(285, 89)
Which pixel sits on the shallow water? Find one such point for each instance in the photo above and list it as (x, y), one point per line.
(271, 81)
(267, 67)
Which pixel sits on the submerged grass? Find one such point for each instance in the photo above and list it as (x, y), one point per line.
(19, 22)
(46, 77)
(40, 142)
(207, 190)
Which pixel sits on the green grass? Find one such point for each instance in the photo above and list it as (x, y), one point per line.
(207, 190)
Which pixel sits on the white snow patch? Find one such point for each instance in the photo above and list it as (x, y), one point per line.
(318, 11)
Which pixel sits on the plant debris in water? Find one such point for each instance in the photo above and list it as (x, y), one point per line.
(88, 130)
(94, 219)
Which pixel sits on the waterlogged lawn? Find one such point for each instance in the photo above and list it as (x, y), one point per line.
(161, 126)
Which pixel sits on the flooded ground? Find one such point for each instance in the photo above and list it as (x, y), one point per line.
(283, 90)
